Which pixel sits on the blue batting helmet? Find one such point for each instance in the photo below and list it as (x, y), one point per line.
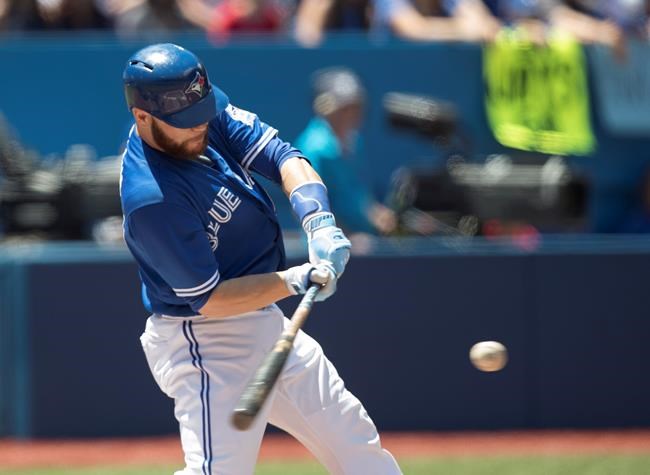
(172, 84)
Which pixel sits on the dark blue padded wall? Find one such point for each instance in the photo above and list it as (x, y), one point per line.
(89, 375)
(399, 330)
(593, 325)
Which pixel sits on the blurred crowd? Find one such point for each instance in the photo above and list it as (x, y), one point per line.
(308, 21)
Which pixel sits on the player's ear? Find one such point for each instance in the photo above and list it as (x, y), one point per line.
(141, 117)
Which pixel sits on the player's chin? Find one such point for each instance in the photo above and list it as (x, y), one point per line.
(196, 146)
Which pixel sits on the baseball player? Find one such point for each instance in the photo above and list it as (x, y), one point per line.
(211, 259)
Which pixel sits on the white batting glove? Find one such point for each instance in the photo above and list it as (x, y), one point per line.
(299, 278)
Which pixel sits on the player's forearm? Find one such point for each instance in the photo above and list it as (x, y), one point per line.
(296, 171)
(245, 294)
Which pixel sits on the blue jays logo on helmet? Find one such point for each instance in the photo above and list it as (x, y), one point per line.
(172, 84)
(197, 85)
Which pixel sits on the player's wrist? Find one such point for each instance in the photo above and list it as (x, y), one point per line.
(311, 205)
(317, 221)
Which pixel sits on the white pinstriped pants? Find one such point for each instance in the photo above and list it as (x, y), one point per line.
(204, 365)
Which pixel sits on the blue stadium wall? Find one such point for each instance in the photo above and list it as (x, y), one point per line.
(58, 91)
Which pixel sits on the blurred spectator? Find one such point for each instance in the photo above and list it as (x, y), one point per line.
(425, 20)
(219, 19)
(314, 17)
(610, 21)
(72, 15)
(51, 15)
(19, 15)
(245, 16)
(630, 15)
(135, 17)
(589, 29)
(331, 142)
(637, 220)
(532, 17)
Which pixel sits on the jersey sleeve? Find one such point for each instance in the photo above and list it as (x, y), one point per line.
(173, 243)
(255, 144)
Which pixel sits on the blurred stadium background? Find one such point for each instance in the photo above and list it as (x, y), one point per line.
(518, 173)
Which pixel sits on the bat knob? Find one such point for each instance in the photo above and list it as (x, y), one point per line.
(242, 419)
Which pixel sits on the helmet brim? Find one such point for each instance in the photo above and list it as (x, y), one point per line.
(200, 112)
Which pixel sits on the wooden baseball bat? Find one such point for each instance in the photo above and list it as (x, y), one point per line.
(267, 374)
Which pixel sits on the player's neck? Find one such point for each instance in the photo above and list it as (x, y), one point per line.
(147, 137)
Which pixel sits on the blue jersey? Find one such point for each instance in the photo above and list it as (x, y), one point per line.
(191, 224)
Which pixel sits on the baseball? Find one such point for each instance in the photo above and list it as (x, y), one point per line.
(488, 356)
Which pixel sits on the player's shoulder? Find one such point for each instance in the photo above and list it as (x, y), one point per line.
(138, 184)
(235, 117)
(239, 116)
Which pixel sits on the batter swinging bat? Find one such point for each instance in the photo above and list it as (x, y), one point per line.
(260, 386)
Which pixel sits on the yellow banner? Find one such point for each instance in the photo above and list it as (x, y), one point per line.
(537, 97)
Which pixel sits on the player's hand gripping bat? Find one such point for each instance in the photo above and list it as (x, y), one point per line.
(267, 374)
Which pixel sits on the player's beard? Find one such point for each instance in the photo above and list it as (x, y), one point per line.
(187, 150)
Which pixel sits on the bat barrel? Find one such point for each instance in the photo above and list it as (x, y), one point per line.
(261, 385)
(267, 374)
